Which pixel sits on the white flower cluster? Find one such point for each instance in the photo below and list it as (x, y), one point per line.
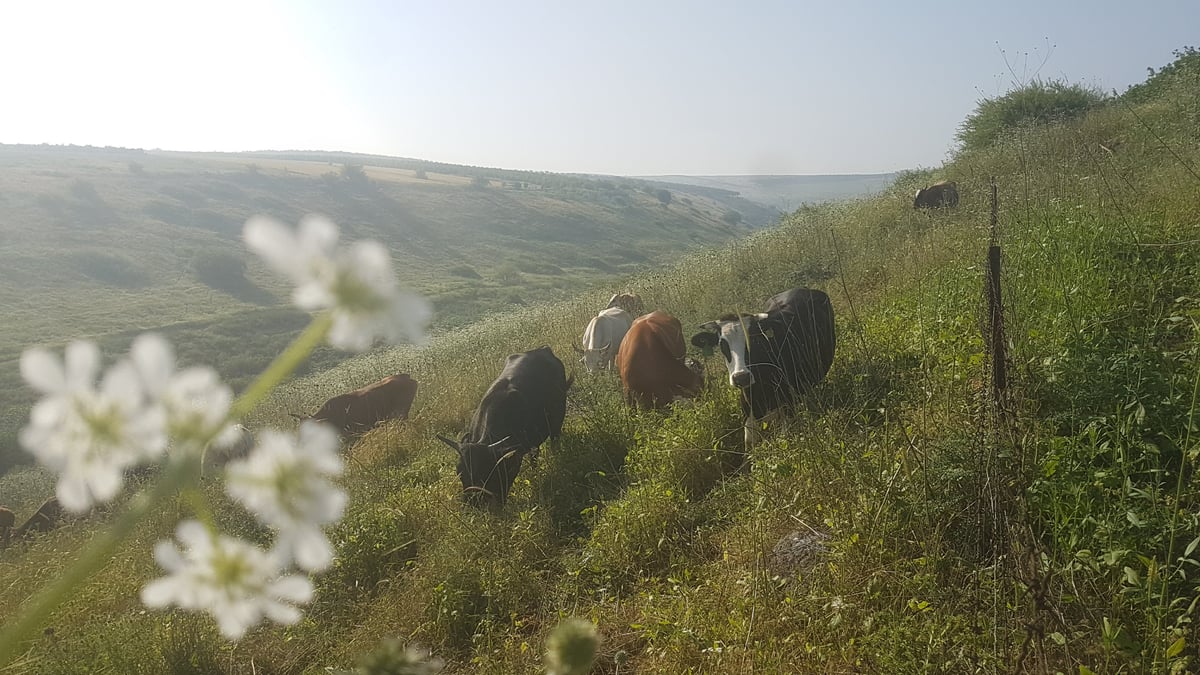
(91, 433)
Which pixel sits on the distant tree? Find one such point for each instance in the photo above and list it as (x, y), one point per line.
(480, 182)
(732, 217)
(354, 173)
(419, 174)
(1038, 102)
(137, 169)
(664, 196)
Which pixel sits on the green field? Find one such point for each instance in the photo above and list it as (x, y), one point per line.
(1051, 526)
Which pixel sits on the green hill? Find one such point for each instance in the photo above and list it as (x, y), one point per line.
(104, 243)
(1049, 526)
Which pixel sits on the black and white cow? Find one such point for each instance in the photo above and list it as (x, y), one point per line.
(523, 407)
(776, 356)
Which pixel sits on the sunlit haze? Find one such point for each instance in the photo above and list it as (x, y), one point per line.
(617, 87)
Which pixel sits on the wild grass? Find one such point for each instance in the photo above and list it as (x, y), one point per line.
(1055, 533)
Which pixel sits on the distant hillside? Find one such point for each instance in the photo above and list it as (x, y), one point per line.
(786, 193)
(102, 243)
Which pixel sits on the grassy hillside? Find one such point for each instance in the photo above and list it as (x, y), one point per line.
(1053, 529)
(790, 192)
(102, 243)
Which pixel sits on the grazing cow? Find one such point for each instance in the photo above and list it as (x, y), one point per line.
(937, 195)
(602, 338)
(790, 349)
(7, 520)
(356, 412)
(523, 407)
(216, 456)
(630, 302)
(46, 518)
(651, 362)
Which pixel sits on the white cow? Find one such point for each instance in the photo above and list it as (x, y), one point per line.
(602, 338)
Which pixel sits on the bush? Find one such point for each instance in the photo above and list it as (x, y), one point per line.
(1035, 103)
(732, 217)
(664, 196)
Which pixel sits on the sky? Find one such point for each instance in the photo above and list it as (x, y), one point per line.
(700, 87)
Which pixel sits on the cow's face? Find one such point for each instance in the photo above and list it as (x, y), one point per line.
(487, 472)
(594, 359)
(730, 336)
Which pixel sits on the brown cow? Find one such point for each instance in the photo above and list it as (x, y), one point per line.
(7, 520)
(46, 518)
(944, 193)
(630, 302)
(357, 412)
(651, 362)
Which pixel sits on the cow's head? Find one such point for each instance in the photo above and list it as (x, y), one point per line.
(730, 334)
(487, 472)
(593, 359)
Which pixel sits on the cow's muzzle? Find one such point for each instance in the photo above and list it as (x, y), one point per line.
(742, 379)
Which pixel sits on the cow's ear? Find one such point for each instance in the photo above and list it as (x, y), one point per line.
(706, 341)
(452, 444)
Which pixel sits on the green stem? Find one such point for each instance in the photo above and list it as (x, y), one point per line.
(176, 476)
(283, 365)
(95, 556)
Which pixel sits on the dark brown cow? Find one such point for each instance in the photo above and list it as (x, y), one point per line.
(357, 412)
(7, 520)
(940, 194)
(630, 302)
(651, 362)
(46, 518)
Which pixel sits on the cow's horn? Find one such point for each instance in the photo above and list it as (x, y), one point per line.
(500, 442)
(450, 443)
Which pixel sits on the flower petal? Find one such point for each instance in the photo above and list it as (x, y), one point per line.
(82, 363)
(154, 360)
(43, 371)
(274, 242)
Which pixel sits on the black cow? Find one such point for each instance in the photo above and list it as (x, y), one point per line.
(937, 195)
(523, 407)
(790, 349)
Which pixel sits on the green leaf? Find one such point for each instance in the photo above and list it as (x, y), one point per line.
(1176, 647)
(1084, 670)
(1191, 547)
(1059, 639)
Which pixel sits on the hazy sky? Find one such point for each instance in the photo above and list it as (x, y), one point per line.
(640, 87)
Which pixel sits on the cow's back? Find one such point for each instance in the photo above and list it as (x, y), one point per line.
(650, 361)
(527, 401)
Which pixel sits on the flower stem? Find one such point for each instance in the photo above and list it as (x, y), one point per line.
(283, 365)
(97, 553)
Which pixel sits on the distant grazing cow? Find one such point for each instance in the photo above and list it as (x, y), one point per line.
(523, 407)
(7, 520)
(602, 338)
(936, 195)
(651, 362)
(630, 302)
(790, 349)
(46, 518)
(357, 412)
(216, 456)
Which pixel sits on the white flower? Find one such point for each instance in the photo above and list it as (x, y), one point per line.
(287, 485)
(356, 283)
(88, 436)
(195, 400)
(234, 580)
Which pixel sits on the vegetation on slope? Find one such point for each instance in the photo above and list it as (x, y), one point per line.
(1052, 530)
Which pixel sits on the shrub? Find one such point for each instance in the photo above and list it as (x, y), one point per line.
(663, 195)
(1035, 103)
(732, 217)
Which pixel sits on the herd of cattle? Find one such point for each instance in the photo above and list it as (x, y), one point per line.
(773, 359)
